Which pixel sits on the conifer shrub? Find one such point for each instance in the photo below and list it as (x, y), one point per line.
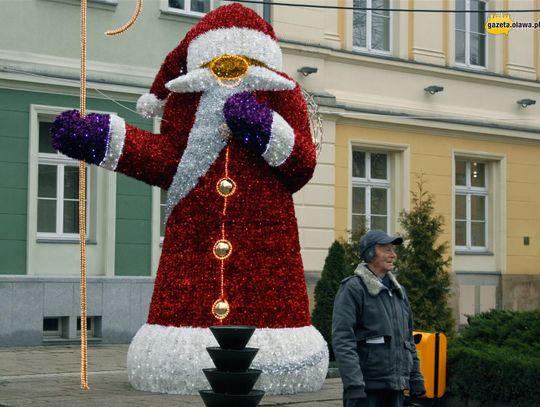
(421, 265)
(334, 271)
(352, 248)
(496, 358)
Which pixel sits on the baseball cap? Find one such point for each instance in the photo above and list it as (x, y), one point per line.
(374, 237)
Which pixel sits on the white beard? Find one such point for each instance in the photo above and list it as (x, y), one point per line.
(205, 140)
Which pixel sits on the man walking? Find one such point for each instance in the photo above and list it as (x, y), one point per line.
(372, 330)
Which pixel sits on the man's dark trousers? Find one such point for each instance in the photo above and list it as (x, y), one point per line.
(377, 398)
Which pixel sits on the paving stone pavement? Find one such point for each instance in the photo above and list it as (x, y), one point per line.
(49, 376)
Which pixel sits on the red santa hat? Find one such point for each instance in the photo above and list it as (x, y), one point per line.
(232, 29)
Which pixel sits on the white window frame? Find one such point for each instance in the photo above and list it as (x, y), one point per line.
(187, 8)
(157, 205)
(467, 45)
(162, 205)
(261, 7)
(468, 191)
(368, 183)
(60, 161)
(156, 239)
(369, 20)
(42, 250)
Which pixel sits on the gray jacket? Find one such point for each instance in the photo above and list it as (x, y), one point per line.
(372, 336)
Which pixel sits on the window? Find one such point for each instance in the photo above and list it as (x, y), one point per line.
(197, 7)
(53, 206)
(370, 190)
(89, 327)
(162, 209)
(52, 327)
(371, 28)
(93, 326)
(159, 203)
(55, 328)
(471, 205)
(58, 190)
(470, 34)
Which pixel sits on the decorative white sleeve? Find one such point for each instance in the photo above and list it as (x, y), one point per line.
(281, 141)
(116, 143)
(149, 106)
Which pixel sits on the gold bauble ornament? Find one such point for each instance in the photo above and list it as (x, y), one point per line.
(220, 308)
(226, 187)
(222, 249)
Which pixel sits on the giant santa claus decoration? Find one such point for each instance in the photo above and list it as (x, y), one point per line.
(235, 144)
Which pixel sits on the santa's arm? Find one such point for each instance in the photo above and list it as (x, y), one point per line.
(107, 141)
(275, 125)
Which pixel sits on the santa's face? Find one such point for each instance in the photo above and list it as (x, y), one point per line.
(235, 72)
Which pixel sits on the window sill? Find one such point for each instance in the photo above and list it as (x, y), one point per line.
(107, 2)
(68, 341)
(473, 253)
(470, 68)
(98, 4)
(372, 52)
(63, 241)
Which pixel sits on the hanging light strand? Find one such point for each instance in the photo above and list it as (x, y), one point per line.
(82, 184)
(82, 208)
(127, 26)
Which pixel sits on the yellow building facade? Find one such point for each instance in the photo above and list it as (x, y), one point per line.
(433, 94)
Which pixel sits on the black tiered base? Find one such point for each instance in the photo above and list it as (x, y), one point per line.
(232, 360)
(213, 399)
(232, 381)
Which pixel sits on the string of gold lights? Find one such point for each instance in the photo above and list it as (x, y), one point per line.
(127, 26)
(82, 207)
(223, 247)
(82, 182)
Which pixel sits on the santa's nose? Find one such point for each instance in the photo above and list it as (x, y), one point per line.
(229, 67)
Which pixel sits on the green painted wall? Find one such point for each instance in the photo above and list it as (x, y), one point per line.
(133, 227)
(14, 123)
(133, 207)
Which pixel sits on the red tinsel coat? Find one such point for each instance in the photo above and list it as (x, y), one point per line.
(264, 276)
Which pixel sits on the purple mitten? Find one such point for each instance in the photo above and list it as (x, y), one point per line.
(83, 138)
(249, 120)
